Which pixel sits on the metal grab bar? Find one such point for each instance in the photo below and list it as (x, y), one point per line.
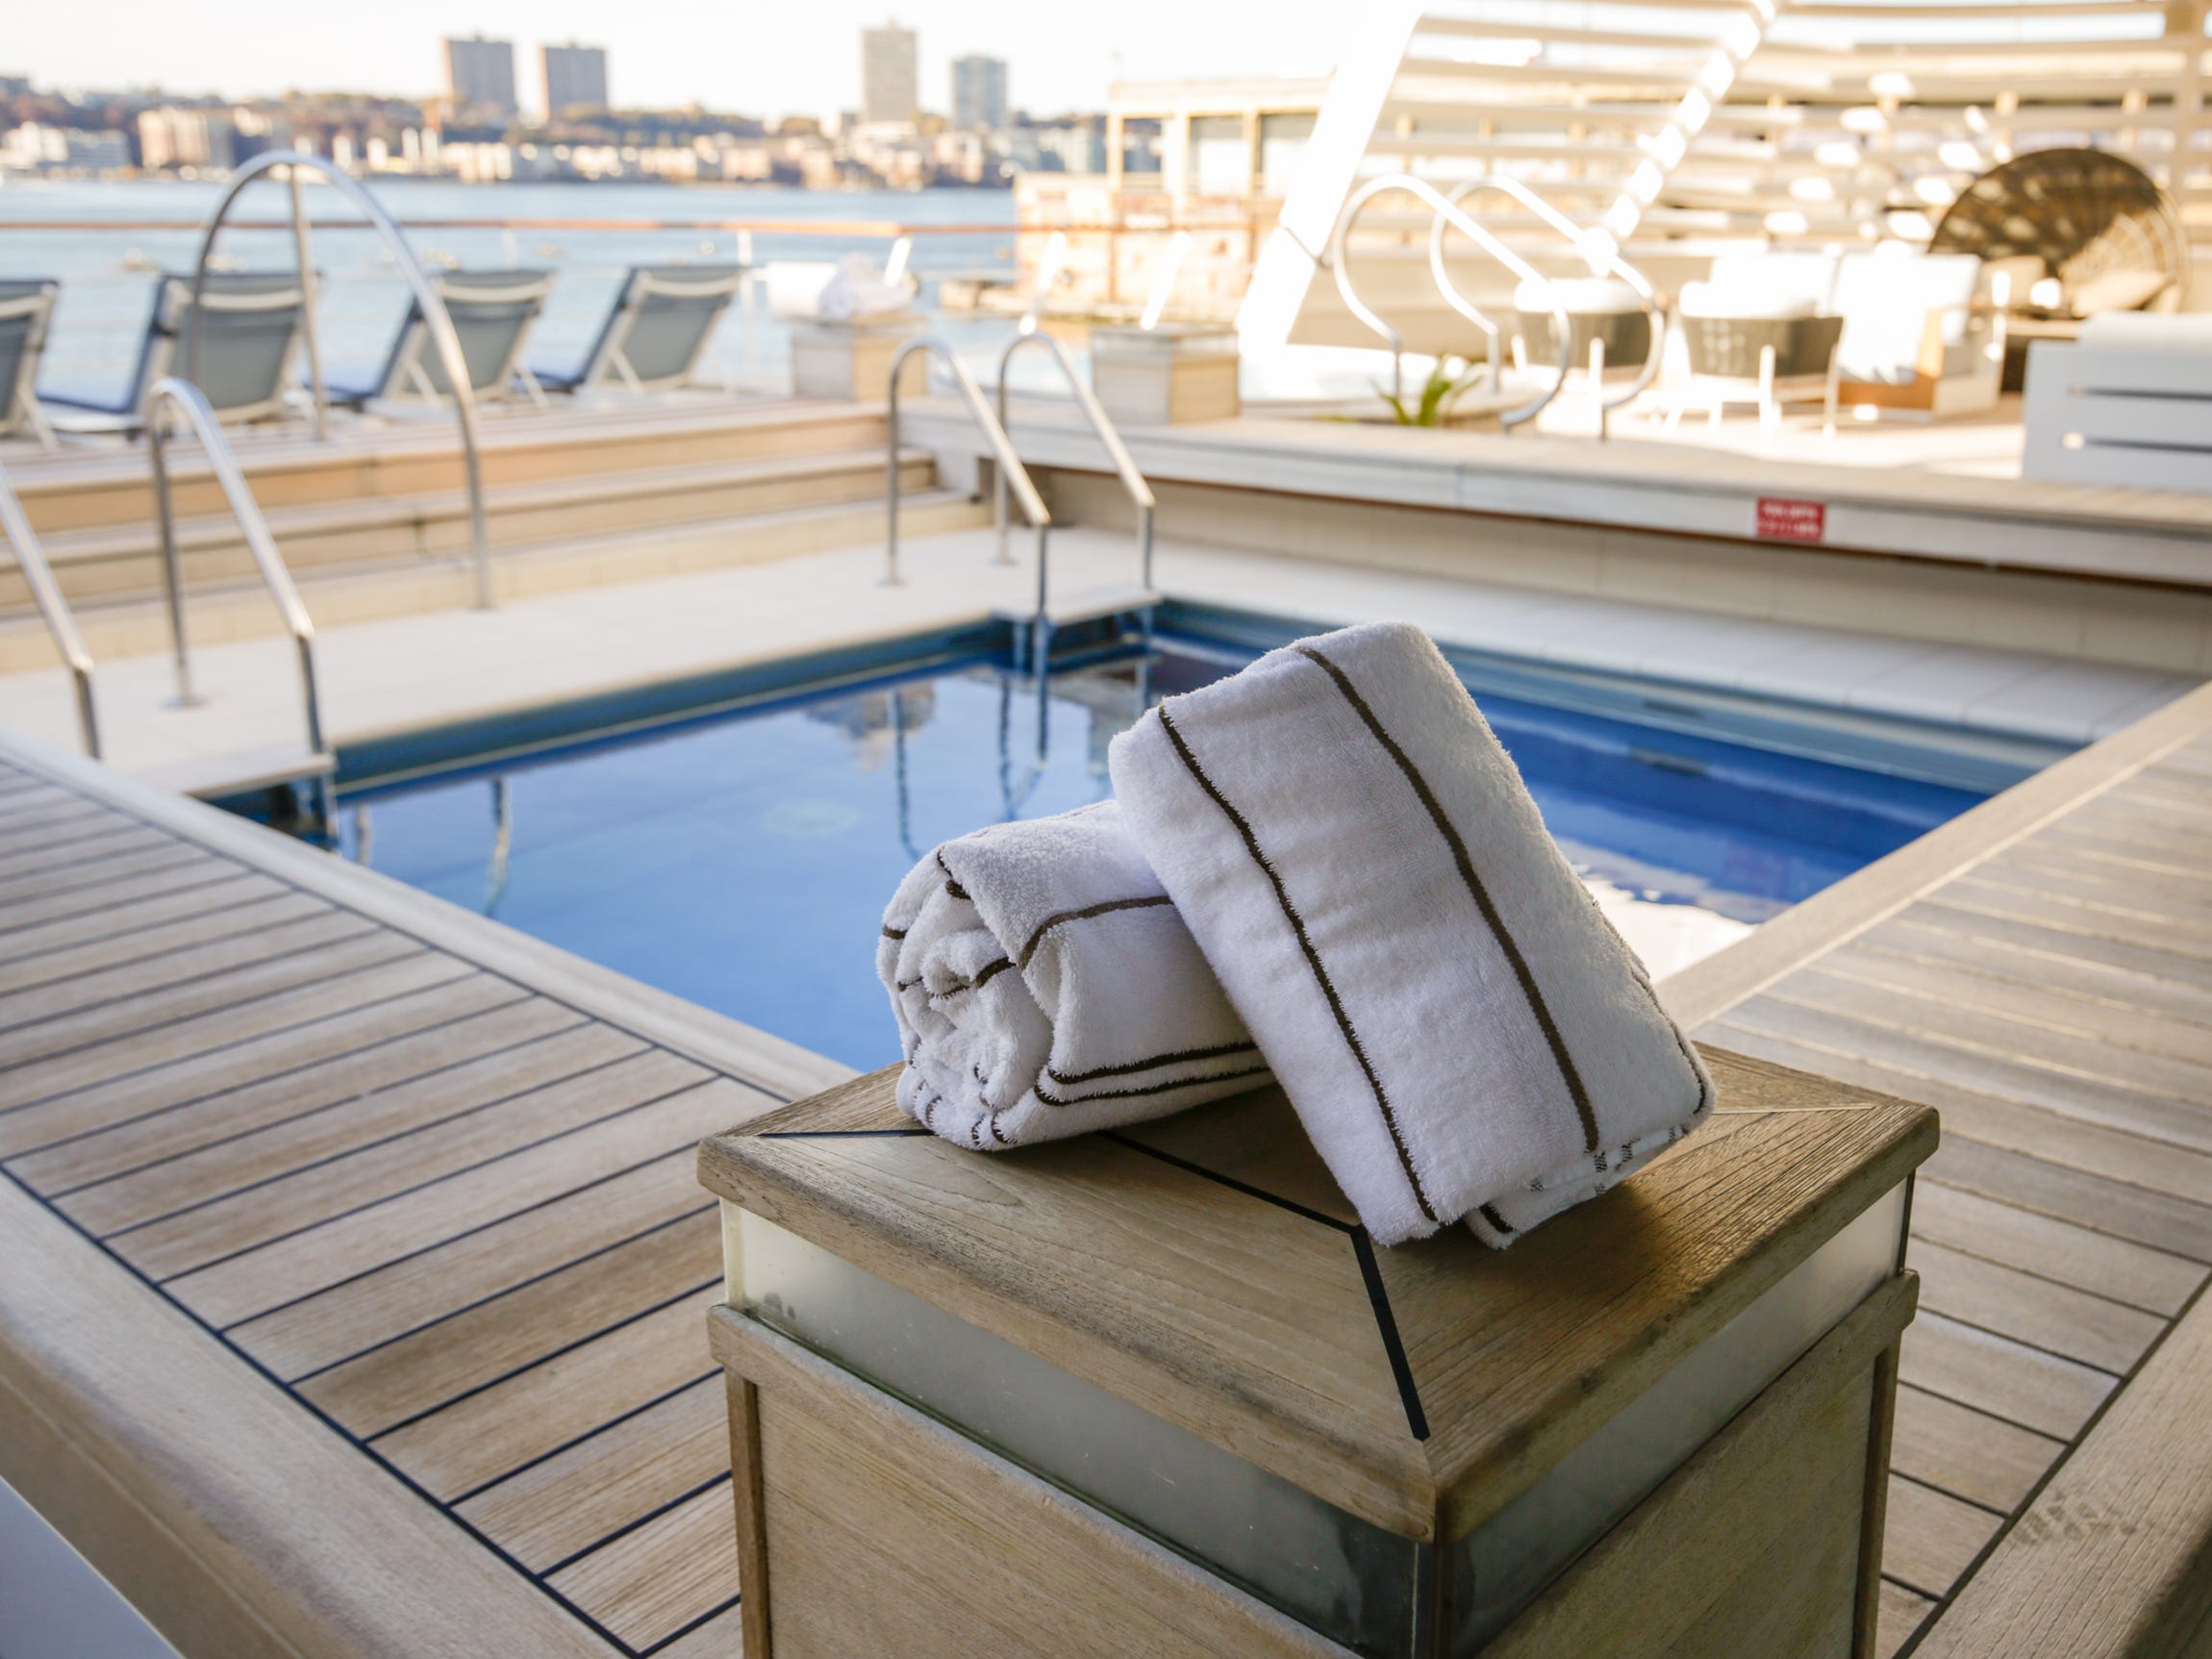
(1583, 243)
(184, 396)
(48, 596)
(1001, 450)
(426, 299)
(1131, 480)
(1424, 190)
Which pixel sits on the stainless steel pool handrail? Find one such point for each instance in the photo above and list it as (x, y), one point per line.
(46, 594)
(186, 398)
(1001, 450)
(1424, 191)
(1654, 314)
(1118, 452)
(426, 298)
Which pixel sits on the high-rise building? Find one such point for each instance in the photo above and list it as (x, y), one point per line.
(890, 74)
(575, 77)
(176, 135)
(480, 74)
(978, 94)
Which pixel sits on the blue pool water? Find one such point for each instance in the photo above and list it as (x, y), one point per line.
(743, 861)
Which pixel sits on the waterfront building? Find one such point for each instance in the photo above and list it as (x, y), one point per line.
(480, 74)
(978, 94)
(175, 136)
(34, 147)
(890, 75)
(575, 78)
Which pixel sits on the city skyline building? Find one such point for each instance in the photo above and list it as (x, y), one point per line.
(480, 74)
(575, 77)
(890, 74)
(978, 94)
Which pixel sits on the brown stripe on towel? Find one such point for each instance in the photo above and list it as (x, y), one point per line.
(991, 971)
(1497, 1222)
(1166, 1088)
(1105, 908)
(951, 884)
(1565, 1061)
(1068, 1081)
(1313, 958)
(891, 932)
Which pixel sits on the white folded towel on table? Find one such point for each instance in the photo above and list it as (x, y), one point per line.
(1044, 986)
(1460, 1030)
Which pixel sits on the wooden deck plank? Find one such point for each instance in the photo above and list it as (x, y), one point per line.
(39, 892)
(61, 967)
(348, 1319)
(2056, 1317)
(2172, 1225)
(1991, 1118)
(2163, 1119)
(2068, 1049)
(80, 909)
(1932, 1537)
(1900, 1615)
(485, 1436)
(183, 1013)
(392, 1045)
(626, 1134)
(2023, 994)
(2005, 1378)
(2172, 905)
(418, 1374)
(85, 1092)
(563, 1504)
(594, 1068)
(141, 979)
(2056, 1249)
(274, 1170)
(2098, 858)
(71, 937)
(722, 1637)
(1966, 1452)
(693, 1557)
(2185, 980)
(107, 840)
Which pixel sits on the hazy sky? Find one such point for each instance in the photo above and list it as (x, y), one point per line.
(799, 56)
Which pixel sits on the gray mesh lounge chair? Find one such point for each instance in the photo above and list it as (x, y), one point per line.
(249, 340)
(492, 312)
(658, 330)
(25, 308)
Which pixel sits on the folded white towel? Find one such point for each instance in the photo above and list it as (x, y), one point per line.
(1044, 986)
(1460, 1028)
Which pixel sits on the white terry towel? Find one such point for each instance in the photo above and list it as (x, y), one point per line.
(1460, 1028)
(1044, 986)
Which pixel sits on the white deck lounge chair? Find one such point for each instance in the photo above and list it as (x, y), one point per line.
(492, 312)
(249, 342)
(1761, 328)
(660, 325)
(26, 311)
(2129, 404)
(1916, 335)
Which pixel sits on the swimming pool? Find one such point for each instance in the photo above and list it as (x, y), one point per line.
(743, 861)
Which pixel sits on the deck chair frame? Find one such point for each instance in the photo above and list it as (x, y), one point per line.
(163, 352)
(406, 372)
(19, 410)
(609, 357)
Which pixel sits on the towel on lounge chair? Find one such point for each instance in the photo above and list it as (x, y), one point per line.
(1460, 1030)
(1045, 987)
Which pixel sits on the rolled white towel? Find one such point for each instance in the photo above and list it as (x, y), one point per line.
(1045, 986)
(1460, 1028)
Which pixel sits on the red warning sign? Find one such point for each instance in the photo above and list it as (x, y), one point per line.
(1782, 521)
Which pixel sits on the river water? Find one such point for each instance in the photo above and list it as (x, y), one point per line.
(107, 275)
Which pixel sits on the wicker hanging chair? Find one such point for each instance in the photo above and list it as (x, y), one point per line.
(2087, 216)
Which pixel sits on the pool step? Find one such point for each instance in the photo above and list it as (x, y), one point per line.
(339, 596)
(124, 563)
(108, 486)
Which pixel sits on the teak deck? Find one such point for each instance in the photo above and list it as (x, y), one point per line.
(353, 1293)
(2047, 988)
(443, 1209)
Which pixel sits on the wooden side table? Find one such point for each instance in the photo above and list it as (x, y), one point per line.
(1155, 1390)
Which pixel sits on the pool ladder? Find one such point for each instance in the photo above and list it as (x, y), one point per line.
(53, 608)
(172, 394)
(1013, 477)
(1449, 215)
